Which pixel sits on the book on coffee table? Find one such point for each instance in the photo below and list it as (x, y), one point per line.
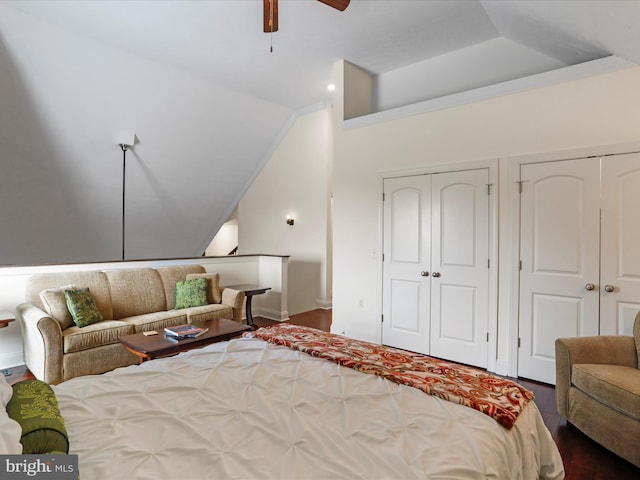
(185, 331)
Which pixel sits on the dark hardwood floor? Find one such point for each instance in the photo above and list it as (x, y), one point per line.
(583, 458)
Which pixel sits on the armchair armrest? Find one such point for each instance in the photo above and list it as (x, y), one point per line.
(606, 349)
(42, 343)
(235, 299)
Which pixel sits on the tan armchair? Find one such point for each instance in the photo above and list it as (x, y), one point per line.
(598, 389)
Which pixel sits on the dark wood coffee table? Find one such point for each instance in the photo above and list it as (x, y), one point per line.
(154, 346)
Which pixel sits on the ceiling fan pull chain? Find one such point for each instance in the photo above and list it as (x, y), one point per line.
(271, 24)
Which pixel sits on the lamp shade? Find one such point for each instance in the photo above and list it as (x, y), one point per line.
(125, 138)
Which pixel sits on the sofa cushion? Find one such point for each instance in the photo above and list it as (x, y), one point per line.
(76, 339)
(55, 304)
(197, 315)
(616, 386)
(82, 307)
(156, 321)
(214, 292)
(191, 293)
(171, 275)
(95, 280)
(135, 291)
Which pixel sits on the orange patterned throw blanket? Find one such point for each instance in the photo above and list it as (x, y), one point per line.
(501, 399)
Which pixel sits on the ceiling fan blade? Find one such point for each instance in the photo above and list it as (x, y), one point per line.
(337, 4)
(270, 15)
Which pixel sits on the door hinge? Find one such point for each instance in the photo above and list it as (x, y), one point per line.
(383, 197)
(489, 185)
(383, 257)
(488, 263)
(520, 265)
(487, 336)
(518, 342)
(381, 318)
(520, 186)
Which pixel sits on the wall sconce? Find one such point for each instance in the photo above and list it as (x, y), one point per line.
(290, 220)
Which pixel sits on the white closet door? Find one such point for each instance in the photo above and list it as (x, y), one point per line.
(406, 284)
(459, 259)
(620, 240)
(559, 243)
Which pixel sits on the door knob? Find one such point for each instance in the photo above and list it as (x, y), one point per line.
(424, 273)
(589, 286)
(435, 274)
(609, 288)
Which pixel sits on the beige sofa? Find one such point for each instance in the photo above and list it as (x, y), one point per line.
(598, 389)
(130, 300)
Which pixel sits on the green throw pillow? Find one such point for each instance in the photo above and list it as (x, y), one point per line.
(34, 406)
(191, 293)
(82, 307)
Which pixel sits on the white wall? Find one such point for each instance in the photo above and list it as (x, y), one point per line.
(225, 240)
(64, 97)
(295, 181)
(599, 110)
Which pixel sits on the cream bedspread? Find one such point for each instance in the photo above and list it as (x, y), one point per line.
(247, 409)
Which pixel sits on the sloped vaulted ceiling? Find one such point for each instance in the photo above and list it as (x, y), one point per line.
(194, 80)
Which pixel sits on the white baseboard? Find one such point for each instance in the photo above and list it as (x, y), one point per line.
(324, 304)
(11, 360)
(271, 314)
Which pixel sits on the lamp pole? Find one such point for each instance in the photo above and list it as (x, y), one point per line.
(124, 190)
(125, 140)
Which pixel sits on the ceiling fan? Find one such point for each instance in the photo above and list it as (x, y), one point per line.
(270, 11)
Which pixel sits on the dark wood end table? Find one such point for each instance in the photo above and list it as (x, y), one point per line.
(249, 291)
(148, 347)
(6, 318)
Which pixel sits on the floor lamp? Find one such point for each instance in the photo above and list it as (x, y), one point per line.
(126, 141)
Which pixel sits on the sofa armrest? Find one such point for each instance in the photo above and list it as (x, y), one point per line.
(42, 343)
(606, 349)
(234, 299)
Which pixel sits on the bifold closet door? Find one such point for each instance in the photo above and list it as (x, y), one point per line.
(406, 297)
(620, 244)
(460, 266)
(559, 254)
(580, 258)
(435, 265)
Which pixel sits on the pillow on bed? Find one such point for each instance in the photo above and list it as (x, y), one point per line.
(214, 292)
(10, 430)
(55, 304)
(82, 307)
(41, 426)
(191, 293)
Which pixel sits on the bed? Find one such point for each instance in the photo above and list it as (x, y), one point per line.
(249, 408)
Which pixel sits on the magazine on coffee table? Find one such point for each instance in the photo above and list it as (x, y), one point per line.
(184, 331)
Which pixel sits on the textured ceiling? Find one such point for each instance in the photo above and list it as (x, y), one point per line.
(223, 40)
